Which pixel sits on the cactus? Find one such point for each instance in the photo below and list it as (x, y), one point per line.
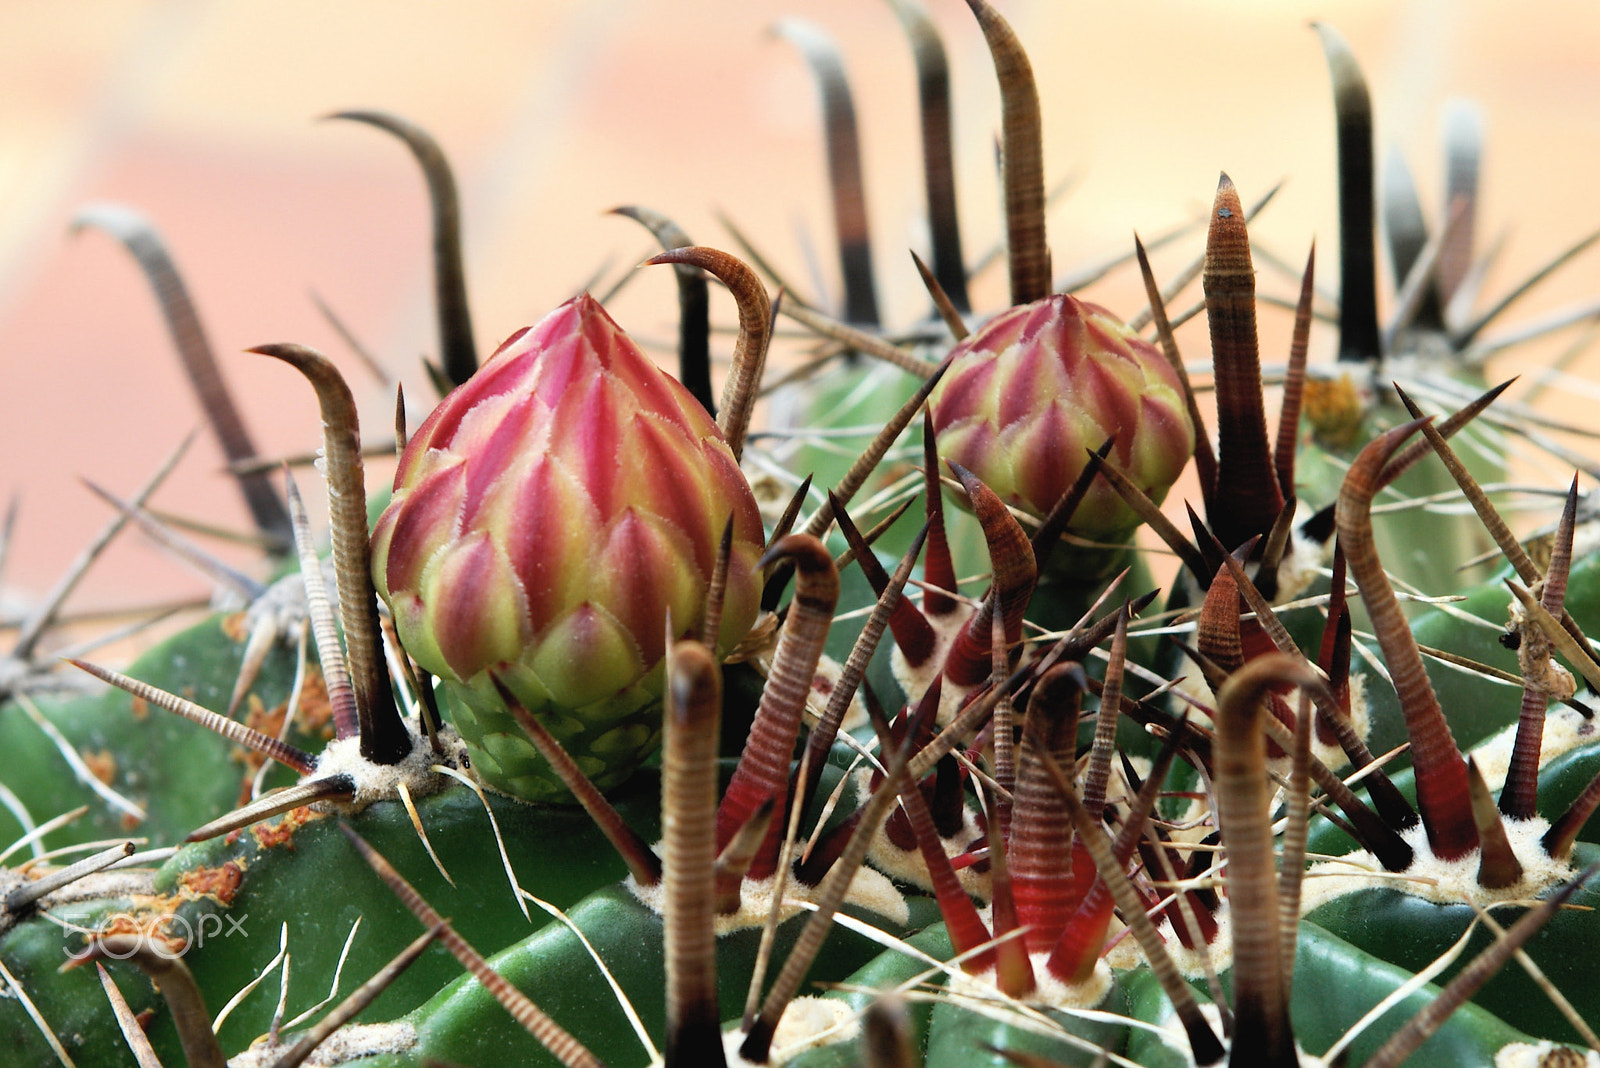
(1029, 842)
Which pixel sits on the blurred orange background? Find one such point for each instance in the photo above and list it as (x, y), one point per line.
(203, 115)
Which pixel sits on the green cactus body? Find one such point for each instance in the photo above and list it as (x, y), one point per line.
(1326, 965)
(1411, 931)
(554, 967)
(892, 969)
(142, 749)
(961, 1033)
(1424, 547)
(229, 897)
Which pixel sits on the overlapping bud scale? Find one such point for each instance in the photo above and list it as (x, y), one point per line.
(1036, 388)
(546, 519)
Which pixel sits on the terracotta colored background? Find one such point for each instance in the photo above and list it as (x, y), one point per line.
(202, 115)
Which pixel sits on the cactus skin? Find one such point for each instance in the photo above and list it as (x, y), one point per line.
(149, 748)
(958, 1035)
(546, 518)
(1327, 964)
(1476, 710)
(1410, 931)
(71, 1001)
(462, 1022)
(280, 873)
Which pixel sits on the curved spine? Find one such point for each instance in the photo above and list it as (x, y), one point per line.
(458, 353)
(384, 738)
(1262, 1035)
(755, 332)
(938, 163)
(141, 239)
(1358, 275)
(1022, 133)
(1442, 793)
(694, 306)
(844, 166)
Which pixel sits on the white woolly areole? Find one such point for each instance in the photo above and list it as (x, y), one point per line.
(283, 606)
(807, 1023)
(869, 890)
(1544, 1055)
(907, 866)
(914, 681)
(351, 1042)
(1360, 713)
(1049, 992)
(1330, 755)
(380, 782)
(1564, 730)
(1191, 963)
(1446, 882)
(1333, 756)
(873, 891)
(1301, 564)
(824, 681)
(978, 993)
(755, 902)
(1454, 882)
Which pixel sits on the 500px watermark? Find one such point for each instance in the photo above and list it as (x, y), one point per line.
(169, 936)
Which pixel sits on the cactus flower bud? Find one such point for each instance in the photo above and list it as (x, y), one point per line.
(1037, 387)
(547, 519)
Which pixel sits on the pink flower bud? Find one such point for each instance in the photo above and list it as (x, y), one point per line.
(547, 520)
(1038, 387)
